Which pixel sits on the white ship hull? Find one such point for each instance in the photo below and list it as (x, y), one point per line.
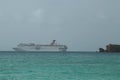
(38, 47)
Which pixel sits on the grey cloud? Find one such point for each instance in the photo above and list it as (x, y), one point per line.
(80, 24)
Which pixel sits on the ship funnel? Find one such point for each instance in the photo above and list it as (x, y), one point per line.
(53, 42)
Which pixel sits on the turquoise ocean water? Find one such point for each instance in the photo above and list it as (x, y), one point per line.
(59, 66)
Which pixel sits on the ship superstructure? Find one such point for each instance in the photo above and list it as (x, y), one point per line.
(40, 47)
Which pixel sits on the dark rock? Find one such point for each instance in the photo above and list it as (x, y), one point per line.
(101, 50)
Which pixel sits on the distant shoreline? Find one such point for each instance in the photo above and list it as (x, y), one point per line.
(84, 52)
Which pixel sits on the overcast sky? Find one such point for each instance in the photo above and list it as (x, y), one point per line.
(83, 25)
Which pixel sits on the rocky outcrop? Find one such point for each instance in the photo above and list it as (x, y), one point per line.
(110, 48)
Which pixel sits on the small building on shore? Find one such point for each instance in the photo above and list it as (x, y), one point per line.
(110, 48)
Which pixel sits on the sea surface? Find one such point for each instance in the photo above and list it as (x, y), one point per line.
(59, 66)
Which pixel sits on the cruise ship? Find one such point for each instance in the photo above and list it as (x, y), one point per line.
(40, 47)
